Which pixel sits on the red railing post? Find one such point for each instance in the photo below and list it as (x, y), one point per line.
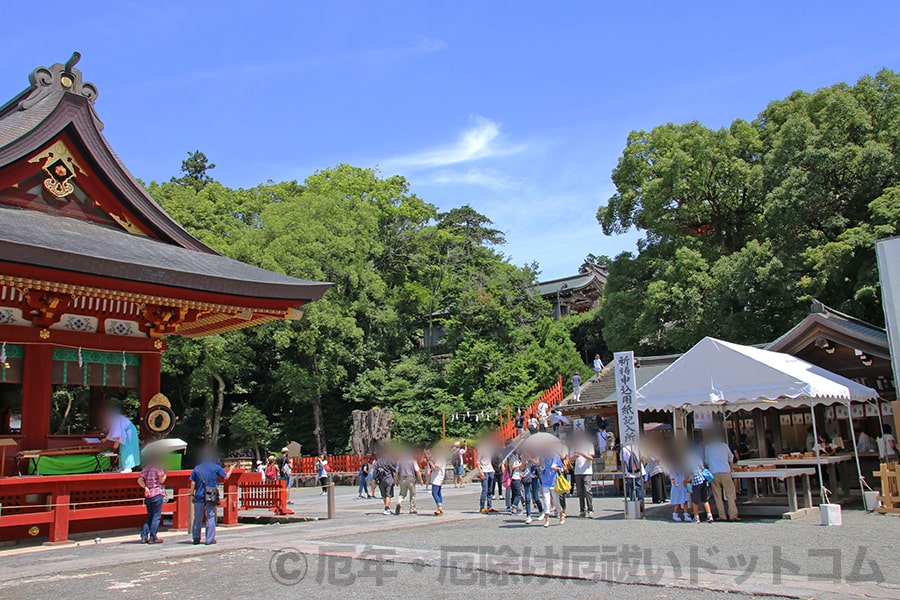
(182, 505)
(59, 527)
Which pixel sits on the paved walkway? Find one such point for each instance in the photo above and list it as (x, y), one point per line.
(363, 551)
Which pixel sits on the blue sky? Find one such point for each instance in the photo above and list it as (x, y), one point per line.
(520, 109)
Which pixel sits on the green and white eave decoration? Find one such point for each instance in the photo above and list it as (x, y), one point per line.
(83, 358)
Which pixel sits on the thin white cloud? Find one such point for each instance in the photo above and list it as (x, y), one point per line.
(479, 177)
(479, 141)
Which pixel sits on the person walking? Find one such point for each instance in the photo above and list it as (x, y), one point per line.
(408, 473)
(498, 472)
(384, 469)
(486, 474)
(576, 387)
(531, 487)
(520, 421)
(322, 473)
(543, 414)
(719, 459)
(281, 461)
(550, 467)
(598, 366)
(152, 478)
(533, 424)
(363, 481)
(514, 469)
(583, 451)
(457, 461)
(438, 464)
(205, 492)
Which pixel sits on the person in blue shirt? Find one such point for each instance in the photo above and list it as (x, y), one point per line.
(550, 466)
(206, 475)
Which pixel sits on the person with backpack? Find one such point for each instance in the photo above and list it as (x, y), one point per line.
(385, 470)
(205, 493)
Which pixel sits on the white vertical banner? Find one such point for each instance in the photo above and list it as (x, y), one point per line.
(626, 388)
(887, 253)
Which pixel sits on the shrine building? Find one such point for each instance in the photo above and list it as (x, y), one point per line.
(94, 274)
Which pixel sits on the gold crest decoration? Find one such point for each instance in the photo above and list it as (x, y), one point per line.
(60, 167)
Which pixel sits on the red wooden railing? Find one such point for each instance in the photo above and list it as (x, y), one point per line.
(55, 505)
(254, 492)
(552, 397)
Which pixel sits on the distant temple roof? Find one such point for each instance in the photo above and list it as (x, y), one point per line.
(572, 283)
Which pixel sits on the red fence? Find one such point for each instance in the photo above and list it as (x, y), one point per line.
(253, 493)
(56, 505)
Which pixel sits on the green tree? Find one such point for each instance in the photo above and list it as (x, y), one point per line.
(195, 171)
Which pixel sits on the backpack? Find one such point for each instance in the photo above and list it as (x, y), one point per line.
(455, 460)
(271, 471)
(381, 472)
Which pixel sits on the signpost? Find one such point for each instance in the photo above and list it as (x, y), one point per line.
(629, 433)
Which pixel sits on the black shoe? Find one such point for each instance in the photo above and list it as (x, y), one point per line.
(196, 542)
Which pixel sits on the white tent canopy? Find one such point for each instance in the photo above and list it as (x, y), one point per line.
(715, 373)
(720, 374)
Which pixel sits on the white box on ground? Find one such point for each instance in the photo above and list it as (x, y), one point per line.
(831, 514)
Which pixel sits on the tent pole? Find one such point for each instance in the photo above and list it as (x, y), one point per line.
(812, 410)
(862, 481)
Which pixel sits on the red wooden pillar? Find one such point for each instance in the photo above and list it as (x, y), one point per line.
(37, 388)
(150, 368)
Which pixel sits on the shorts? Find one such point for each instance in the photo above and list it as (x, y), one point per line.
(387, 488)
(459, 470)
(700, 493)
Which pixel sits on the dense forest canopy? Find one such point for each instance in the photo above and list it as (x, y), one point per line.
(394, 260)
(745, 225)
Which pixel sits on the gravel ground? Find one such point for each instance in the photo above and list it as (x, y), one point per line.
(246, 574)
(435, 555)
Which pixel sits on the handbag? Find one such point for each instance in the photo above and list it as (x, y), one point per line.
(562, 485)
(707, 475)
(211, 494)
(506, 479)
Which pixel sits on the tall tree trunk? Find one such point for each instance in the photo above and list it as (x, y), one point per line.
(318, 421)
(319, 429)
(207, 418)
(217, 410)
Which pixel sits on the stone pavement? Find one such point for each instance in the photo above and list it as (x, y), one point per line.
(363, 551)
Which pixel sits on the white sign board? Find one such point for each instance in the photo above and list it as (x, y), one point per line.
(626, 387)
(578, 425)
(887, 253)
(703, 418)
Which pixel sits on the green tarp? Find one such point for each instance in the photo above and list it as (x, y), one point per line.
(68, 464)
